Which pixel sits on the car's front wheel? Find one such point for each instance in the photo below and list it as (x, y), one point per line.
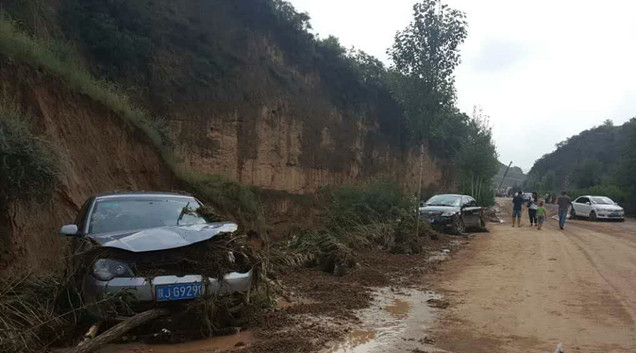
(459, 227)
(593, 216)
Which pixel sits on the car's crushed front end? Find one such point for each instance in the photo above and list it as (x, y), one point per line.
(169, 287)
(170, 264)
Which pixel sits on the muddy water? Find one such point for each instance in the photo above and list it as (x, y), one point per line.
(399, 308)
(221, 343)
(396, 322)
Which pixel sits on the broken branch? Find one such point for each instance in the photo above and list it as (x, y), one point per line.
(118, 330)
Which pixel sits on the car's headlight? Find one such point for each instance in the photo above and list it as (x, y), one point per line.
(107, 269)
(449, 213)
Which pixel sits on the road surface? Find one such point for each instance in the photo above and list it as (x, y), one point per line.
(524, 290)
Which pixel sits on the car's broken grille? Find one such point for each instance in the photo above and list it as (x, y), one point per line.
(213, 258)
(431, 214)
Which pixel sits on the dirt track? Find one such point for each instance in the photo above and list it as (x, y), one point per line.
(523, 290)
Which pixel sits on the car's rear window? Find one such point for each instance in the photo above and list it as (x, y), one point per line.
(116, 215)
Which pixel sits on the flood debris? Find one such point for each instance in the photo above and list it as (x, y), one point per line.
(491, 214)
(118, 330)
(51, 309)
(438, 303)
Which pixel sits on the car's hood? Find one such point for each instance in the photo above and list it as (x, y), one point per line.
(163, 238)
(438, 209)
(609, 207)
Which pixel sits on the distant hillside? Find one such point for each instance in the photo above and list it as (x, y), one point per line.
(515, 176)
(584, 160)
(599, 161)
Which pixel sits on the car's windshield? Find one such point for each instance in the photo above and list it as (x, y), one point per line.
(602, 200)
(115, 215)
(444, 200)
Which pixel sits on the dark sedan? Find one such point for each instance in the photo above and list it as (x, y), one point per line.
(450, 212)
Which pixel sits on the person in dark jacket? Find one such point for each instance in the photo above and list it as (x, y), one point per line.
(517, 202)
(564, 203)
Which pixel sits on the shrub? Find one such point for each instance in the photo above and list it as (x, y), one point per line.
(366, 203)
(29, 317)
(230, 197)
(27, 162)
(612, 191)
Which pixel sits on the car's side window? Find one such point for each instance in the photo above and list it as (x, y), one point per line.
(583, 200)
(471, 202)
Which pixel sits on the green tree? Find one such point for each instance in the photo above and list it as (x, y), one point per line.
(588, 173)
(425, 55)
(626, 176)
(477, 158)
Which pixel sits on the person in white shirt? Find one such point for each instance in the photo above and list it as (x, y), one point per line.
(532, 211)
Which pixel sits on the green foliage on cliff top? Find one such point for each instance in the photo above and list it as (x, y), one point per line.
(17, 45)
(26, 152)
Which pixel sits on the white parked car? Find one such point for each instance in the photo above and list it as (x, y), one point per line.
(597, 207)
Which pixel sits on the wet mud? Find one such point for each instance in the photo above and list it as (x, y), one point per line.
(227, 343)
(383, 305)
(395, 322)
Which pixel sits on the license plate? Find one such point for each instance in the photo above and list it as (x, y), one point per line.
(178, 291)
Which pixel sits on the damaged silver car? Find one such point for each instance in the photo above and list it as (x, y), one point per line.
(157, 247)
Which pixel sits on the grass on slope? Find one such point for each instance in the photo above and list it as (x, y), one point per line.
(234, 198)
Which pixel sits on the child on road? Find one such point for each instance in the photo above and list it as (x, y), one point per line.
(541, 215)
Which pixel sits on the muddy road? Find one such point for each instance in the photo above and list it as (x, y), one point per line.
(524, 290)
(510, 290)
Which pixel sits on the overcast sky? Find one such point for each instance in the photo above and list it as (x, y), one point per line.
(542, 70)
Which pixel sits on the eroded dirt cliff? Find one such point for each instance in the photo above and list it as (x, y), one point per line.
(239, 98)
(98, 153)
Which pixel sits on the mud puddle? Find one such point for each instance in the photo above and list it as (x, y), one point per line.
(221, 343)
(396, 321)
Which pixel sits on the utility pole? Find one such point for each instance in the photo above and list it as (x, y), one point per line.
(419, 192)
(504, 176)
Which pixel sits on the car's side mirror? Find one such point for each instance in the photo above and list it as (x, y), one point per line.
(69, 230)
(588, 203)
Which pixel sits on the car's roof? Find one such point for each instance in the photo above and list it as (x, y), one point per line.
(448, 195)
(140, 194)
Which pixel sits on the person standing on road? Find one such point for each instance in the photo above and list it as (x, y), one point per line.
(517, 202)
(564, 203)
(532, 211)
(541, 215)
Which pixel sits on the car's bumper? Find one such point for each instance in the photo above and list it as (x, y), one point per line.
(609, 215)
(438, 221)
(144, 289)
